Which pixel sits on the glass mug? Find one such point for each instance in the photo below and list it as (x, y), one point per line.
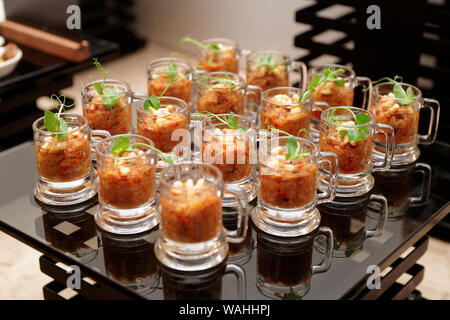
(115, 117)
(225, 97)
(397, 184)
(285, 265)
(389, 110)
(192, 234)
(270, 69)
(346, 216)
(226, 58)
(126, 187)
(64, 165)
(287, 189)
(233, 152)
(158, 77)
(201, 285)
(353, 145)
(130, 259)
(336, 93)
(281, 109)
(167, 128)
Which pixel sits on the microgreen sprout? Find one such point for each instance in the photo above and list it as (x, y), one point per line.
(208, 46)
(231, 121)
(110, 96)
(53, 122)
(404, 98)
(267, 61)
(122, 144)
(355, 134)
(154, 101)
(292, 145)
(207, 80)
(319, 81)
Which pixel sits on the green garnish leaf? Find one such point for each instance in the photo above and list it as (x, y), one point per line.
(267, 61)
(122, 144)
(209, 46)
(339, 83)
(292, 146)
(100, 86)
(172, 72)
(293, 152)
(355, 134)
(212, 46)
(153, 102)
(111, 97)
(62, 128)
(317, 81)
(231, 121)
(362, 118)
(51, 121)
(119, 145)
(404, 98)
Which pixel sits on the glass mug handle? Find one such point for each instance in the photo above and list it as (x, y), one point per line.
(139, 96)
(238, 235)
(326, 262)
(385, 164)
(256, 92)
(243, 58)
(434, 107)
(382, 216)
(366, 83)
(320, 106)
(240, 277)
(96, 137)
(333, 175)
(425, 169)
(303, 69)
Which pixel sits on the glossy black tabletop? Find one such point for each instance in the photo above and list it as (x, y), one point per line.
(74, 238)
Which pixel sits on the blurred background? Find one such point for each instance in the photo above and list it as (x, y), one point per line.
(127, 34)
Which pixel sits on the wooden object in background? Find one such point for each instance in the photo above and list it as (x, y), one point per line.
(47, 42)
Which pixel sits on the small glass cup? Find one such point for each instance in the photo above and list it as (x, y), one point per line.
(396, 185)
(353, 144)
(201, 285)
(64, 165)
(336, 93)
(285, 266)
(158, 78)
(270, 69)
(233, 152)
(167, 128)
(281, 109)
(226, 58)
(192, 234)
(225, 97)
(111, 111)
(287, 189)
(404, 118)
(346, 216)
(131, 261)
(126, 188)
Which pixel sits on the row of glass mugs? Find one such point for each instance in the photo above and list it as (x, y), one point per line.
(218, 99)
(264, 68)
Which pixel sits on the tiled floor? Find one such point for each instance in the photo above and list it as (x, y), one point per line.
(20, 277)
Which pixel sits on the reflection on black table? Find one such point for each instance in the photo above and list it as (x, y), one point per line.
(130, 259)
